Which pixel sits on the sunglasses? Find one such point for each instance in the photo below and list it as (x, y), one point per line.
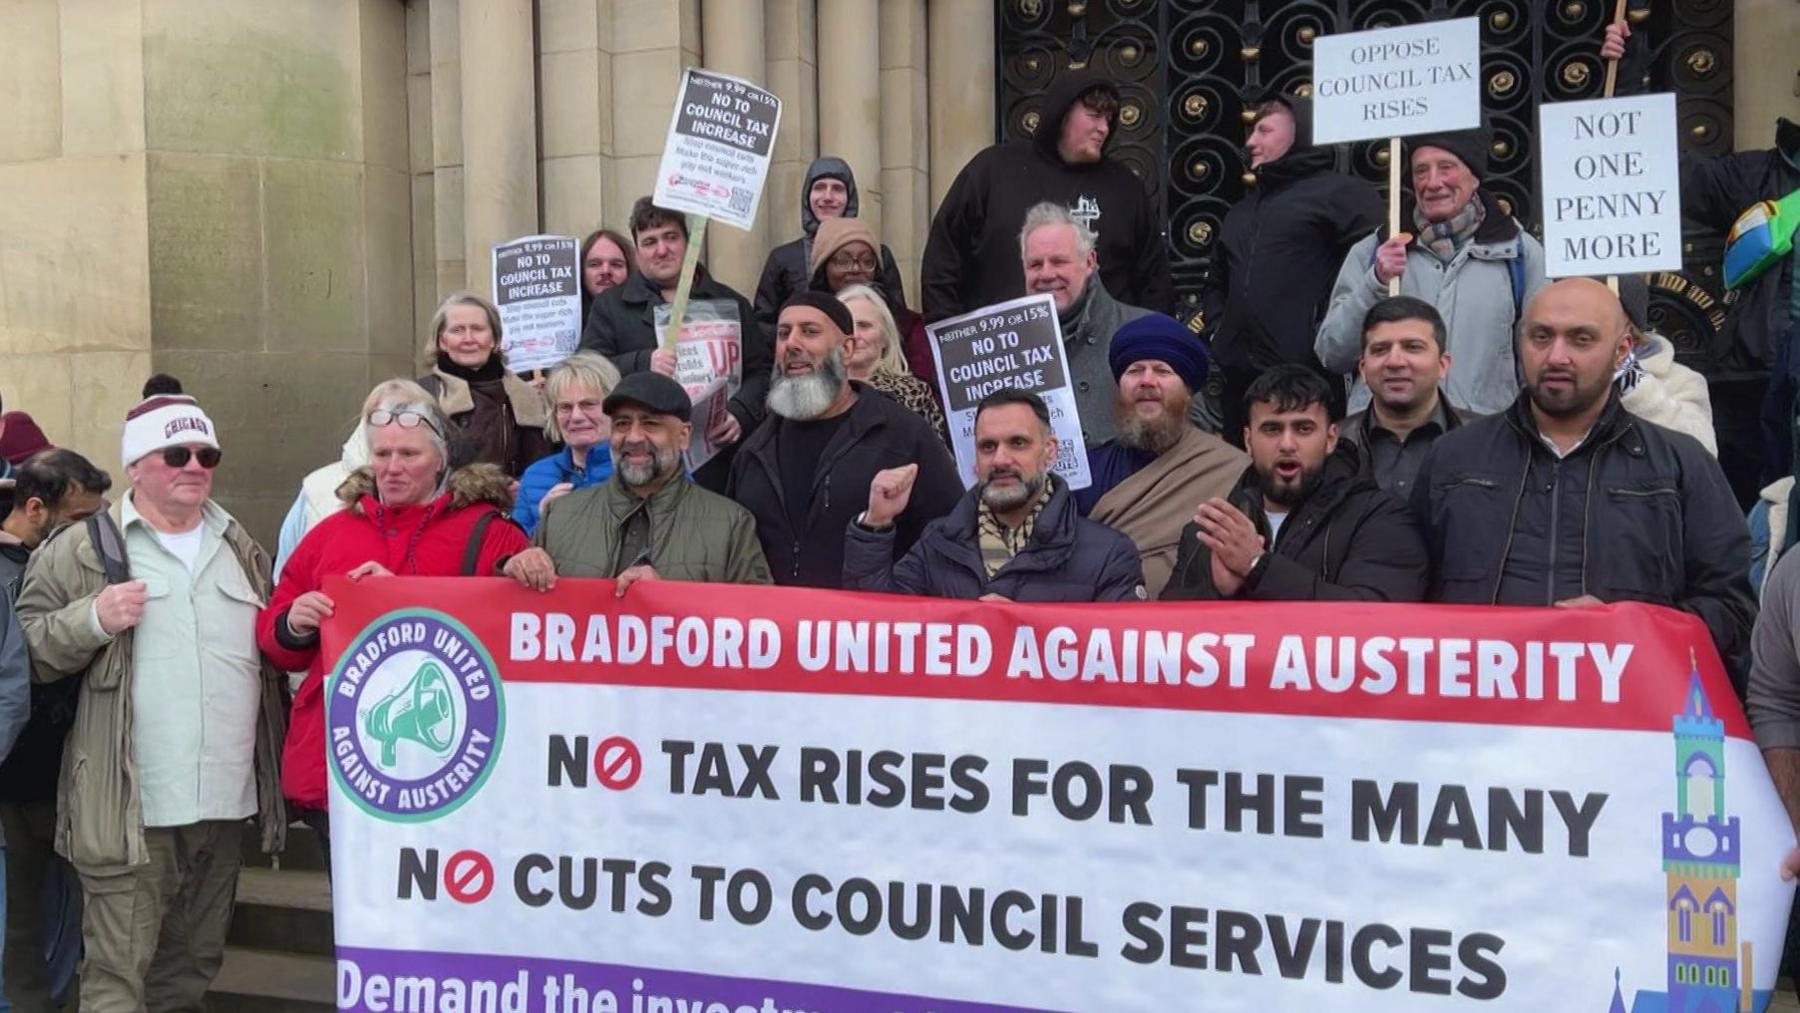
(178, 457)
(404, 418)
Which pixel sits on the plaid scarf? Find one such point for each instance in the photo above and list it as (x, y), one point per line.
(1443, 239)
(999, 543)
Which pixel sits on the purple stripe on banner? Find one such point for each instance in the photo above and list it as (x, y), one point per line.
(410, 981)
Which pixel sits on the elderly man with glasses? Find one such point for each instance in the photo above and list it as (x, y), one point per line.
(181, 720)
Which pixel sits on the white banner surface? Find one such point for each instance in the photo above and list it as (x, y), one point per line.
(1396, 82)
(1612, 186)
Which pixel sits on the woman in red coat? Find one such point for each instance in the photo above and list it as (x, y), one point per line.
(407, 514)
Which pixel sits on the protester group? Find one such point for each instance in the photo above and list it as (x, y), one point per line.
(1487, 436)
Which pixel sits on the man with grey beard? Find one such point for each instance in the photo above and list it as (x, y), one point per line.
(1148, 478)
(649, 521)
(804, 473)
(1015, 537)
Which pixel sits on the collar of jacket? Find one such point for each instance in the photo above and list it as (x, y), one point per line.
(641, 292)
(1446, 415)
(619, 501)
(1052, 536)
(1299, 163)
(865, 417)
(527, 403)
(1614, 424)
(1341, 475)
(475, 483)
(1073, 319)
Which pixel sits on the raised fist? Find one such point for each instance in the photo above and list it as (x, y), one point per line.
(889, 493)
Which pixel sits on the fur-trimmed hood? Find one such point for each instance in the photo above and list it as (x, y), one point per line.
(474, 483)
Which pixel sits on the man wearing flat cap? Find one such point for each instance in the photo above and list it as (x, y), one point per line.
(649, 520)
(1149, 477)
(804, 473)
(1305, 522)
(1467, 258)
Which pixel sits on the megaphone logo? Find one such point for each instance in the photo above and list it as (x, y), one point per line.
(420, 711)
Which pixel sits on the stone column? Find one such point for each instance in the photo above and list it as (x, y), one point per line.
(731, 42)
(905, 138)
(850, 95)
(962, 87)
(499, 120)
(1766, 42)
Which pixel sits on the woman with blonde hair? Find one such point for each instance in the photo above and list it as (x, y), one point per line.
(873, 355)
(495, 416)
(576, 390)
(408, 512)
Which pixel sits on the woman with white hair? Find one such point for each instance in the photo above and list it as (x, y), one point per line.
(873, 355)
(405, 513)
(495, 415)
(576, 389)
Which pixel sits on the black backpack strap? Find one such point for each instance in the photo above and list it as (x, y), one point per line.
(109, 544)
(472, 553)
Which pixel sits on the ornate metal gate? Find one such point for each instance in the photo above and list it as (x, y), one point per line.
(1191, 71)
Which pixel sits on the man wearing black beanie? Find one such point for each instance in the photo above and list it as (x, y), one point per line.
(804, 473)
(1466, 256)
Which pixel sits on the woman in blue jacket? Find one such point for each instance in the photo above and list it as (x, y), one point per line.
(574, 391)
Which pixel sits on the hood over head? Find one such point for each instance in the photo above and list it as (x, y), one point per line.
(826, 167)
(1304, 158)
(474, 483)
(1058, 101)
(834, 234)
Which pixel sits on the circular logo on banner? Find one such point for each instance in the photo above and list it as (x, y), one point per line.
(414, 716)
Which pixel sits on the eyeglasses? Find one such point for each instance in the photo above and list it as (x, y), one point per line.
(846, 262)
(178, 457)
(405, 418)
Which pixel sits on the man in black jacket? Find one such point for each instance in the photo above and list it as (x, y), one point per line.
(1567, 499)
(805, 472)
(1305, 522)
(1016, 536)
(972, 253)
(1403, 363)
(621, 324)
(1279, 251)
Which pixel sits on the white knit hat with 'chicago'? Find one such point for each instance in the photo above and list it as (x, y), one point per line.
(166, 420)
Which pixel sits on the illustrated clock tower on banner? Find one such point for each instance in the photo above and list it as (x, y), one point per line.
(1700, 861)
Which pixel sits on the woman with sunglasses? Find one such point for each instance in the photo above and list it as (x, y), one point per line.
(499, 416)
(406, 513)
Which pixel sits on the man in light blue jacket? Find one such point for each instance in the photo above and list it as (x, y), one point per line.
(1469, 259)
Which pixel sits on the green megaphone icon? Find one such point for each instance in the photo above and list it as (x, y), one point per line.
(419, 711)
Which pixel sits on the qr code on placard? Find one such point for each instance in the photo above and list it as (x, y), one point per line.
(740, 199)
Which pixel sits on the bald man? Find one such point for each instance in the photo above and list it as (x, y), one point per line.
(1567, 499)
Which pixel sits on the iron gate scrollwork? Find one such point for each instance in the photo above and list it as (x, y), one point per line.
(1191, 72)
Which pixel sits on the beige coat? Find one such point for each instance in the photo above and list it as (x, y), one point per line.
(99, 820)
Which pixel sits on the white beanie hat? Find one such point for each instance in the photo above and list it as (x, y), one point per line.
(166, 420)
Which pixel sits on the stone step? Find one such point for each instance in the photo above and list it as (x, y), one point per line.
(303, 851)
(261, 981)
(283, 909)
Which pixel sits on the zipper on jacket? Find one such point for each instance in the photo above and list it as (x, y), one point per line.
(1512, 527)
(1550, 552)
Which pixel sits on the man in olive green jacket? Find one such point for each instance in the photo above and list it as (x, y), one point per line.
(648, 520)
(173, 746)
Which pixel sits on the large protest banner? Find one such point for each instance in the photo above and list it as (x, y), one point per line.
(716, 156)
(750, 799)
(1015, 344)
(537, 289)
(1612, 187)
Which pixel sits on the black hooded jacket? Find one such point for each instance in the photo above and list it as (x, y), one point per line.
(1278, 253)
(972, 254)
(1347, 541)
(785, 272)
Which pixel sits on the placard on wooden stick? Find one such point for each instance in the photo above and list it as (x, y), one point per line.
(1611, 186)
